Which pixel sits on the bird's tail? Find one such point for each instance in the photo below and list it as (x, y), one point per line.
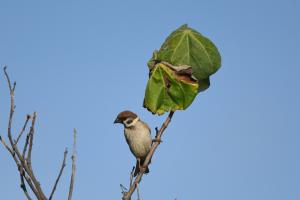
(137, 169)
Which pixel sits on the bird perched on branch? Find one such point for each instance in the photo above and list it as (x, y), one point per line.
(138, 137)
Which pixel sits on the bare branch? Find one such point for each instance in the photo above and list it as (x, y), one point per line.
(131, 176)
(19, 159)
(5, 145)
(74, 157)
(23, 161)
(12, 106)
(26, 145)
(123, 189)
(24, 188)
(35, 186)
(127, 195)
(31, 133)
(27, 165)
(32, 187)
(21, 164)
(138, 192)
(23, 129)
(60, 173)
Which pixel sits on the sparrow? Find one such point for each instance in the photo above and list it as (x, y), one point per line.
(138, 137)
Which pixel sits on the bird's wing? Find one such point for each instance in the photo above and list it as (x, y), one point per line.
(146, 126)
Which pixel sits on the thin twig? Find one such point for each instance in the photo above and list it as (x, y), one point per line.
(138, 192)
(12, 106)
(60, 173)
(74, 157)
(31, 134)
(5, 145)
(155, 144)
(23, 186)
(23, 129)
(123, 188)
(31, 185)
(26, 145)
(131, 176)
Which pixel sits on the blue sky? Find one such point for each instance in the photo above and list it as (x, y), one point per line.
(79, 63)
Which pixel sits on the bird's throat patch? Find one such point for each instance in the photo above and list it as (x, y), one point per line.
(132, 123)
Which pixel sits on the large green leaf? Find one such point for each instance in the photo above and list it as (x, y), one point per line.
(169, 90)
(185, 46)
(180, 70)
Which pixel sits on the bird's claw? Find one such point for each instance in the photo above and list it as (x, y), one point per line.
(141, 167)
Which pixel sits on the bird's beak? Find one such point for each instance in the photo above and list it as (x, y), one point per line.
(117, 121)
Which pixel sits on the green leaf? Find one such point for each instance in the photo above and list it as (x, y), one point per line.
(153, 61)
(180, 70)
(168, 90)
(203, 84)
(185, 46)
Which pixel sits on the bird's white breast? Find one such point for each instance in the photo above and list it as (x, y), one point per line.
(139, 139)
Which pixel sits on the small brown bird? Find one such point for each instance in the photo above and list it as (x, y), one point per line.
(138, 137)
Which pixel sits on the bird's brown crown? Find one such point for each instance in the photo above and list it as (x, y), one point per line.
(122, 116)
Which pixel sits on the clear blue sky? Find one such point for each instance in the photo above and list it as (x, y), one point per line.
(78, 63)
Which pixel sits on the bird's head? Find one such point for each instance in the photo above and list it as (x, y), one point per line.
(127, 118)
